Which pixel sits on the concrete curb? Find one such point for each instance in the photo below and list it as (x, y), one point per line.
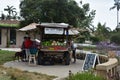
(58, 79)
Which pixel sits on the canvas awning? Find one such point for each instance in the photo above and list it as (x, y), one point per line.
(29, 27)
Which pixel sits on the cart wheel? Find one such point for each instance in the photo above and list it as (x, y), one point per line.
(67, 58)
(40, 56)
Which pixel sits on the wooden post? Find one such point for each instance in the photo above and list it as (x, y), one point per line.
(70, 73)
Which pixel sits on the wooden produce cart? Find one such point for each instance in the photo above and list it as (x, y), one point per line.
(54, 39)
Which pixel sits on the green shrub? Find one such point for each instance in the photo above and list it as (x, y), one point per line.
(84, 76)
(3, 77)
(94, 40)
(116, 38)
(80, 40)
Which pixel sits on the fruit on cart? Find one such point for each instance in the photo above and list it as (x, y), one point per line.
(59, 48)
(51, 48)
(46, 43)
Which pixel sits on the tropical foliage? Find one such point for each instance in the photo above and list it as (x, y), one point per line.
(11, 12)
(67, 11)
(115, 38)
(101, 32)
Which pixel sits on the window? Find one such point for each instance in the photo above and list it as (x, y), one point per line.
(12, 36)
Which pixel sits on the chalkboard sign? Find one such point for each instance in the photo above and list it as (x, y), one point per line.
(89, 61)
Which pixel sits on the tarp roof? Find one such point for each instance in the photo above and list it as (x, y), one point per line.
(56, 25)
(33, 26)
(29, 27)
(49, 25)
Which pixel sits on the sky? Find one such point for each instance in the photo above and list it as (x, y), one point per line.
(103, 14)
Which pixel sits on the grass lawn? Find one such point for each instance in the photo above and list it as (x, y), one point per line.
(84, 76)
(6, 56)
(15, 74)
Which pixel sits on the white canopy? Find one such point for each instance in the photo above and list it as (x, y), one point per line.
(29, 27)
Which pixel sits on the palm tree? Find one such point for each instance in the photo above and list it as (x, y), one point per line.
(117, 5)
(11, 11)
(102, 31)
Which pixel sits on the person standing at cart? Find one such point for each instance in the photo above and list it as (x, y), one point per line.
(28, 43)
(23, 48)
(73, 48)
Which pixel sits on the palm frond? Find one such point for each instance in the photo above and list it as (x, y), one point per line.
(11, 7)
(112, 7)
(5, 9)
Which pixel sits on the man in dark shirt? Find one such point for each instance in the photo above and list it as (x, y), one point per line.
(73, 51)
(23, 48)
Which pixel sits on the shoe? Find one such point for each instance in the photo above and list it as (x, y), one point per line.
(23, 60)
(74, 62)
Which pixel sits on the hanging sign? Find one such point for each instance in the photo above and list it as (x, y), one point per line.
(53, 31)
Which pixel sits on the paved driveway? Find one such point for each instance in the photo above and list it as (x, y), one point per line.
(59, 70)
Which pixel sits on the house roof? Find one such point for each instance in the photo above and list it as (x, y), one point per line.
(9, 23)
